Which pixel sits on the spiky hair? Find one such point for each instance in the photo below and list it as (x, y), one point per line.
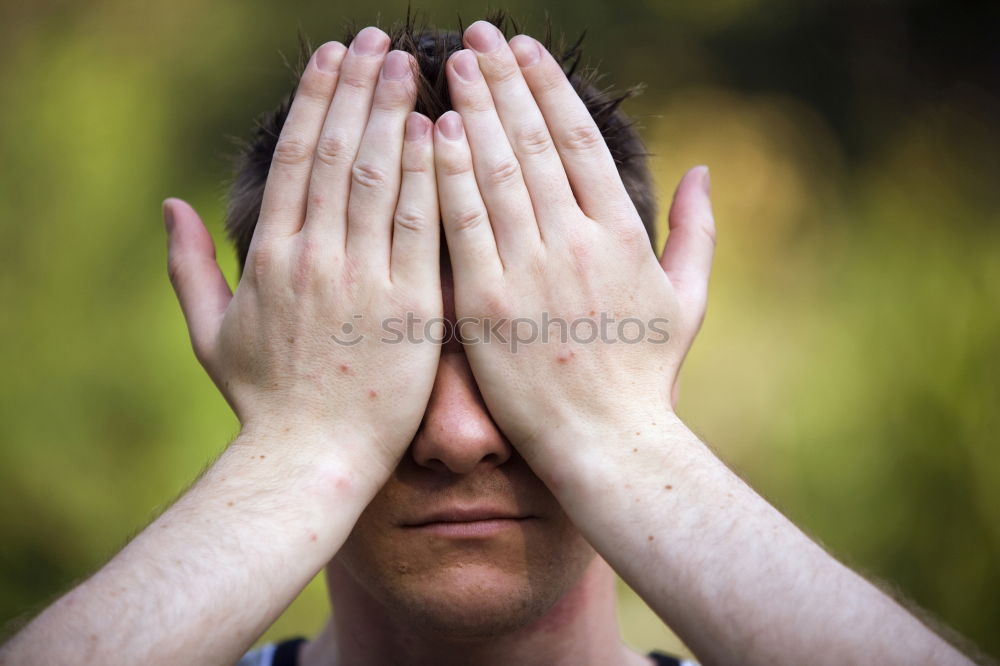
(431, 48)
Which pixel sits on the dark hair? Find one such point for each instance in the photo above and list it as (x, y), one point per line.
(431, 49)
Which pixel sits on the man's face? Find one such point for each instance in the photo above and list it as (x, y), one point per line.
(419, 550)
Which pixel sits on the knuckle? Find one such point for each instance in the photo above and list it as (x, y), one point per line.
(416, 163)
(468, 219)
(306, 271)
(292, 150)
(261, 261)
(583, 138)
(175, 270)
(367, 175)
(478, 102)
(456, 167)
(315, 87)
(634, 238)
(580, 252)
(202, 352)
(498, 69)
(411, 219)
(393, 96)
(333, 149)
(533, 140)
(505, 172)
(355, 80)
(707, 229)
(551, 79)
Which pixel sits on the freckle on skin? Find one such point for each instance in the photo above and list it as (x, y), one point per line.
(344, 368)
(372, 394)
(262, 457)
(637, 432)
(668, 487)
(291, 341)
(229, 503)
(651, 537)
(635, 450)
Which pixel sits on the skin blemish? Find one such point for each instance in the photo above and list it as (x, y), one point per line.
(651, 537)
(312, 537)
(668, 487)
(372, 394)
(635, 450)
(291, 341)
(262, 457)
(593, 313)
(229, 503)
(566, 357)
(637, 433)
(344, 368)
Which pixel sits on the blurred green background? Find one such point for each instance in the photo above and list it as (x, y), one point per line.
(848, 367)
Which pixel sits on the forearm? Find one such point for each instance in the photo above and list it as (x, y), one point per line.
(734, 578)
(207, 577)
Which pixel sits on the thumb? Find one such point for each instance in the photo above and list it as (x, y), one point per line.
(197, 279)
(687, 256)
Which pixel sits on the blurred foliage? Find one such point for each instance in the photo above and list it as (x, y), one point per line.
(848, 367)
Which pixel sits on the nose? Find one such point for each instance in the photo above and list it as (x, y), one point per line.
(457, 434)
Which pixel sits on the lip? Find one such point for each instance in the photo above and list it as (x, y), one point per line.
(468, 522)
(470, 529)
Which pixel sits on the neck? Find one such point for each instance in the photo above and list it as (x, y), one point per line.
(581, 628)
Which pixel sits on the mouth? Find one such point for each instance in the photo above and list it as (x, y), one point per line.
(468, 523)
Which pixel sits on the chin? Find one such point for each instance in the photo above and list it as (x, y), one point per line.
(465, 594)
(473, 602)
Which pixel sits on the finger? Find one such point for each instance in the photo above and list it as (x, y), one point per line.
(197, 280)
(330, 183)
(585, 156)
(687, 255)
(544, 174)
(467, 229)
(416, 223)
(284, 202)
(375, 176)
(497, 169)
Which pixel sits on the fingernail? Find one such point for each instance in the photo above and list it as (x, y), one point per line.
(465, 65)
(168, 216)
(416, 127)
(396, 66)
(706, 182)
(450, 125)
(526, 50)
(370, 41)
(483, 36)
(329, 55)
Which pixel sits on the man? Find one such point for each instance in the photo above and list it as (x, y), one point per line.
(470, 502)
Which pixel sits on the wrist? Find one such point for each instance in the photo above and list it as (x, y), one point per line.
(332, 464)
(584, 456)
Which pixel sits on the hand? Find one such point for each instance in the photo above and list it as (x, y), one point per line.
(347, 237)
(539, 226)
